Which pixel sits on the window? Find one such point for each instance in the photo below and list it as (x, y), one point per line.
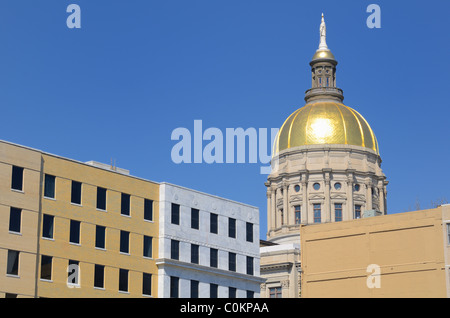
(46, 267)
(175, 214)
(232, 261)
(356, 187)
(100, 232)
(357, 211)
(231, 292)
(250, 294)
(147, 284)
(9, 295)
(99, 276)
(74, 232)
(317, 213)
(17, 178)
(194, 288)
(174, 249)
(76, 192)
(249, 265)
(213, 223)
(148, 251)
(174, 282)
(101, 198)
(231, 227)
(12, 267)
(73, 272)
(275, 292)
(316, 186)
(296, 188)
(337, 186)
(125, 204)
(213, 290)
(249, 232)
(148, 210)
(123, 280)
(338, 212)
(195, 222)
(448, 233)
(213, 257)
(49, 186)
(15, 216)
(194, 253)
(298, 215)
(47, 226)
(124, 242)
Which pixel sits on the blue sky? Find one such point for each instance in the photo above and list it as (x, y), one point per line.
(136, 70)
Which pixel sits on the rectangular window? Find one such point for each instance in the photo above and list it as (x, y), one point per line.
(194, 288)
(195, 219)
(213, 224)
(357, 211)
(124, 242)
(298, 215)
(17, 178)
(249, 265)
(250, 294)
(194, 253)
(213, 257)
(174, 249)
(123, 280)
(317, 213)
(146, 284)
(47, 226)
(148, 210)
(232, 261)
(148, 251)
(174, 283)
(249, 231)
(49, 186)
(231, 292)
(46, 267)
(231, 227)
(76, 192)
(73, 272)
(101, 198)
(12, 267)
(74, 232)
(338, 212)
(15, 216)
(125, 204)
(99, 276)
(175, 214)
(213, 290)
(100, 233)
(275, 292)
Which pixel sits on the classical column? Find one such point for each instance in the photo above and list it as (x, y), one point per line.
(369, 204)
(269, 206)
(349, 214)
(285, 204)
(304, 208)
(381, 197)
(327, 208)
(277, 212)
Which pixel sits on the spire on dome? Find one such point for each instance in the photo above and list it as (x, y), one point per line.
(323, 36)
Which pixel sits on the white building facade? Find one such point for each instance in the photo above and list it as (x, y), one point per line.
(208, 246)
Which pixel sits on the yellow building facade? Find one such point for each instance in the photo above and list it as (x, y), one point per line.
(400, 255)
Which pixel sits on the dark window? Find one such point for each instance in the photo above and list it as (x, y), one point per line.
(250, 294)
(249, 265)
(9, 295)
(231, 292)
(73, 272)
(174, 249)
(99, 276)
(123, 280)
(175, 213)
(147, 246)
(15, 216)
(275, 292)
(338, 212)
(317, 213)
(213, 290)
(100, 232)
(232, 261)
(298, 215)
(148, 210)
(213, 257)
(125, 204)
(76, 192)
(101, 198)
(47, 226)
(231, 227)
(49, 186)
(17, 178)
(357, 211)
(74, 231)
(174, 281)
(194, 253)
(195, 218)
(124, 242)
(213, 223)
(194, 288)
(249, 230)
(13, 263)
(147, 284)
(46, 267)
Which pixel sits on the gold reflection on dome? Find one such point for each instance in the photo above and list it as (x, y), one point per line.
(323, 54)
(325, 122)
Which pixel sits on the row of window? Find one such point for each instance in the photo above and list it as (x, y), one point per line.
(337, 186)
(213, 222)
(213, 257)
(317, 209)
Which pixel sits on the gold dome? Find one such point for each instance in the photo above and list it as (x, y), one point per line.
(325, 122)
(323, 54)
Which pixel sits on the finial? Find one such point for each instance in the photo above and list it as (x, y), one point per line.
(323, 35)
